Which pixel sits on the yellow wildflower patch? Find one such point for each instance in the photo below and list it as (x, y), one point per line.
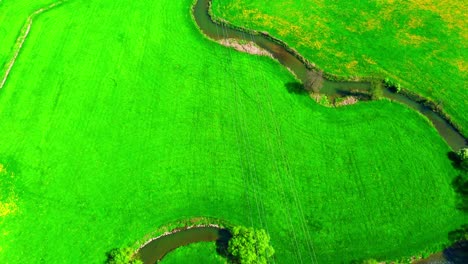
(408, 39)
(351, 64)
(452, 12)
(371, 24)
(7, 208)
(369, 60)
(462, 65)
(415, 22)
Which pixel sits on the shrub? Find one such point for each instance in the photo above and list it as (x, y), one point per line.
(463, 153)
(392, 85)
(463, 158)
(122, 256)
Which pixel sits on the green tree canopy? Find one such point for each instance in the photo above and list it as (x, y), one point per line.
(250, 246)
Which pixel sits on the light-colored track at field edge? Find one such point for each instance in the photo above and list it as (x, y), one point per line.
(22, 38)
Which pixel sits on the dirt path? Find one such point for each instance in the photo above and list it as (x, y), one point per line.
(22, 38)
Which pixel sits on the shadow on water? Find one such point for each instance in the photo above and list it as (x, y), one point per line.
(223, 242)
(364, 96)
(295, 88)
(457, 253)
(156, 249)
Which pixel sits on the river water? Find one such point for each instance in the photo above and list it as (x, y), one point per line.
(158, 248)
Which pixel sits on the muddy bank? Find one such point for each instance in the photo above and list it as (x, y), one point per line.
(248, 47)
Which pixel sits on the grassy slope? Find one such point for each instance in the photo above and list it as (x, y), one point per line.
(119, 117)
(421, 44)
(203, 252)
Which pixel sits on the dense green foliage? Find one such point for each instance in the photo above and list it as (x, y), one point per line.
(122, 256)
(463, 155)
(459, 234)
(250, 246)
(419, 44)
(119, 117)
(396, 87)
(202, 252)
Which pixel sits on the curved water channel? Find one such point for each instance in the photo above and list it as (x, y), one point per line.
(156, 249)
(300, 67)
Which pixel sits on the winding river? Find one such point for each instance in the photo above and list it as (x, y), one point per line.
(300, 67)
(155, 249)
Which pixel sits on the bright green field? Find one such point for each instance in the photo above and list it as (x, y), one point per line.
(13, 16)
(421, 44)
(204, 252)
(119, 117)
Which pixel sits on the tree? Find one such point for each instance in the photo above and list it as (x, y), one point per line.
(250, 246)
(314, 81)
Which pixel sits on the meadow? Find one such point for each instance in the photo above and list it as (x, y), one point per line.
(119, 117)
(419, 44)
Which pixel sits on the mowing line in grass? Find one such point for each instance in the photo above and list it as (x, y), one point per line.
(259, 87)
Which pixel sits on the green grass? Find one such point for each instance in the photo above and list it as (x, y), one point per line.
(12, 17)
(421, 44)
(203, 252)
(119, 117)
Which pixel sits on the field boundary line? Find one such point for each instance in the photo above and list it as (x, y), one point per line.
(22, 38)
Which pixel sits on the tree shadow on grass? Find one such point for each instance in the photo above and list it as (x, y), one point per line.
(453, 157)
(460, 183)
